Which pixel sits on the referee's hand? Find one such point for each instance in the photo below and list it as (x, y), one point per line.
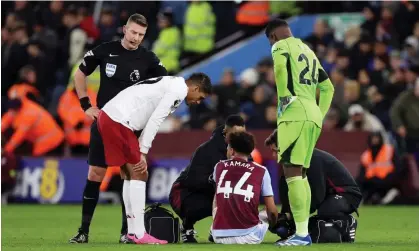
(92, 112)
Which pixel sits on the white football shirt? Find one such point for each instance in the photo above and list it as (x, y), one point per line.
(145, 105)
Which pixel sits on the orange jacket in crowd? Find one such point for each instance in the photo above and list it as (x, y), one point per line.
(257, 156)
(381, 166)
(34, 124)
(255, 13)
(75, 122)
(21, 90)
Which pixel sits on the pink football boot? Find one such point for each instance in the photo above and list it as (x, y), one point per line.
(146, 239)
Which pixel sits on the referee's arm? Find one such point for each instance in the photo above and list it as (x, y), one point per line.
(90, 61)
(88, 65)
(156, 68)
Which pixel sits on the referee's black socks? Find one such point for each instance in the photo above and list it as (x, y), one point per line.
(90, 199)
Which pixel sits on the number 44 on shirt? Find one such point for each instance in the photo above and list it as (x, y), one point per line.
(238, 188)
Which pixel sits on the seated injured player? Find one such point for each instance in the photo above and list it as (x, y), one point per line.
(240, 184)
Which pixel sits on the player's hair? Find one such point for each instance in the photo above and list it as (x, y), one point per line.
(273, 24)
(242, 142)
(272, 139)
(138, 19)
(234, 120)
(203, 82)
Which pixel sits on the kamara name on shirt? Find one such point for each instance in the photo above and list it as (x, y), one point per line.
(239, 164)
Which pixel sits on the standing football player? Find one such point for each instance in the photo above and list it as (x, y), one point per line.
(142, 107)
(240, 184)
(122, 63)
(298, 75)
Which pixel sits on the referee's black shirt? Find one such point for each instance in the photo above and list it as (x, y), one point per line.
(120, 68)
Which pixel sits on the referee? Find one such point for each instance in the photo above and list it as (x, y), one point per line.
(122, 63)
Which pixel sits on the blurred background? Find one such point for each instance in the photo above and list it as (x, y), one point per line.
(369, 49)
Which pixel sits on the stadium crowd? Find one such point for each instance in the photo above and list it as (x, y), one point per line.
(375, 69)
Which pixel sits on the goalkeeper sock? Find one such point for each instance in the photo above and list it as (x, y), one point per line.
(308, 194)
(137, 197)
(298, 199)
(90, 198)
(128, 207)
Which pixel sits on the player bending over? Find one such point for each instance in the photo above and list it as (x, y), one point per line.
(240, 184)
(143, 106)
(298, 74)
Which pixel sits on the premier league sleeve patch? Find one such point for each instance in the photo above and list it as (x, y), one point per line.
(110, 70)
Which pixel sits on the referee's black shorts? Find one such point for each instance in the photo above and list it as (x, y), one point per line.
(96, 149)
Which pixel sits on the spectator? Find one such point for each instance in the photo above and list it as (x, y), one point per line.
(269, 86)
(397, 84)
(52, 17)
(75, 123)
(27, 87)
(89, 26)
(362, 120)
(379, 73)
(47, 38)
(405, 117)
(328, 62)
(331, 121)
(252, 16)
(17, 58)
(248, 80)
(352, 93)
(169, 43)
(25, 13)
(39, 62)
(12, 20)
(380, 106)
(338, 80)
(342, 63)
(227, 100)
(412, 74)
(406, 17)
(270, 117)
(199, 28)
(411, 51)
(107, 26)
(370, 23)
(395, 60)
(386, 30)
(362, 54)
(320, 38)
(379, 171)
(253, 112)
(74, 40)
(33, 124)
(199, 115)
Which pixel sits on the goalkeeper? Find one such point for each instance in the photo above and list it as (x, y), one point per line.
(298, 75)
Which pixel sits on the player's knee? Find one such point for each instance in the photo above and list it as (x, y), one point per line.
(293, 171)
(139, 176)
(96, 173)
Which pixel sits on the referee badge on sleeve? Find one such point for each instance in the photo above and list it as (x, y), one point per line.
(110, 69)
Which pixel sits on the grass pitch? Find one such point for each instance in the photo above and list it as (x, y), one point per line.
(48, 227)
